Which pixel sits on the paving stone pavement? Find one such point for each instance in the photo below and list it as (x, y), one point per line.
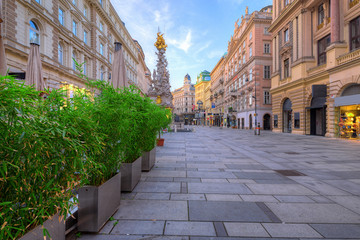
(222, 184)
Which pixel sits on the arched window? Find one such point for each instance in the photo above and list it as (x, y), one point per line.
(34, 33)
(85, 66)
(60, 54)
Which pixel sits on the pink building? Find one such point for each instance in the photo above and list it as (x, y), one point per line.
(247, 78)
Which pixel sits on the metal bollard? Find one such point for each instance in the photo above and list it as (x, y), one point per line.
(175, 128)
(257, 130)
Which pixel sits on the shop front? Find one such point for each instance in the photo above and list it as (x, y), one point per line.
(347, 113)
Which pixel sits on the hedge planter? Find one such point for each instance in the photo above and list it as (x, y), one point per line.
(55, 226)
(130, 175)
(98, 204)
(148, 160)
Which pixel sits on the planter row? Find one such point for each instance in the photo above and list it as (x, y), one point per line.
(98, 203)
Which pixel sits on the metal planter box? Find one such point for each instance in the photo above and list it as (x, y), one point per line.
(98, 204)
(55, 226)
(148, 160)
(130, 175)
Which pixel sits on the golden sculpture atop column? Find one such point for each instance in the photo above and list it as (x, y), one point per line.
(160, 42)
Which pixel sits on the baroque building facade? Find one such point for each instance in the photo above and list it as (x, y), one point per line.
(316, 72)
(202, 98)
(247, 67)
(184, 102)
(84, 30)
(217, 91)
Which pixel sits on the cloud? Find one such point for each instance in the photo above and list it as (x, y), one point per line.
(184, 44)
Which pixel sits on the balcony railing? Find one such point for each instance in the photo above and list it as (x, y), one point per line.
(353, 3)
(348, 57)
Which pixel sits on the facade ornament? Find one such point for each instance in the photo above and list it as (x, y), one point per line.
(247, 10)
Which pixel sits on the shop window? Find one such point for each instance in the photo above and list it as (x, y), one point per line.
(349, 122)
(286, 68)
(322, 45)
(275, 121)
(296, 120)
(355, 33)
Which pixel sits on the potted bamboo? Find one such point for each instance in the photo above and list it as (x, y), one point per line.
(43, 142)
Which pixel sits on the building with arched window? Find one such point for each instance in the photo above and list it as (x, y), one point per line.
(80, 29)
(316, 67)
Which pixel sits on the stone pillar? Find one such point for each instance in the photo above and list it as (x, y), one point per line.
(335, 21)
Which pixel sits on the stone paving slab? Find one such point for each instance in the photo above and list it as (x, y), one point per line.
(188, 197)
(223, 197)
(226, 211)
(350, 202)
(313, 213)
(138, 227)
(291, 230)
(152, 209)
(152, 196)
(225, 188)
(190, 228)
(158, 187)
(245, 229)
(342, 231)
(280, 189)
(211, 174)
(130, 237)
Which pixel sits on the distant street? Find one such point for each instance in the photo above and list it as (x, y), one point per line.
(220, 183)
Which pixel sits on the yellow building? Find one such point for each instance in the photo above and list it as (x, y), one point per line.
(201, 93)
(315, 80)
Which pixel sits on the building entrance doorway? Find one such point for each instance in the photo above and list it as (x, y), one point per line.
(242, 123)
(266, 122)
(250, 121)
(287, 119)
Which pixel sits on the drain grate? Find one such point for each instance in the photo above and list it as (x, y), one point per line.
(290, 173)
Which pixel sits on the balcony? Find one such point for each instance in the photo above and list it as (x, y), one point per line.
(349, 56)
(353, 3)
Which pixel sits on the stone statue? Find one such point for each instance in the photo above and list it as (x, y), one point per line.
(159, 90)
(247, 11)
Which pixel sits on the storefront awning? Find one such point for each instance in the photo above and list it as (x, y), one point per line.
(347, 100)
(317, 102)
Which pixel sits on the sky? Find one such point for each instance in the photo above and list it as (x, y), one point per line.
(196, 31)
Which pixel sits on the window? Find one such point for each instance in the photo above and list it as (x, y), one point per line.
(85, 11)
(244, 60)
(266, 31)
(60, 54)
(322, 45)
(286, 2)
(74, 2)
(110, 57)
(101, 26)
(102, 74)
(244, 45)
(74, 61)
(34, 33)
(275, 121)
(38, 1)
(286, 35)
(101, 2)
(266, 47)
(267, 72)
(250, 35)
(85, 67)
(250, 99)
(267, 99)
(250, 52)
(244, 79)
(85, 37)
(74, 28)
(250, 75)
(297, 120)
(321, 14)
(355, 33)
(61, 16)
(286, 68)
(101, 49)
